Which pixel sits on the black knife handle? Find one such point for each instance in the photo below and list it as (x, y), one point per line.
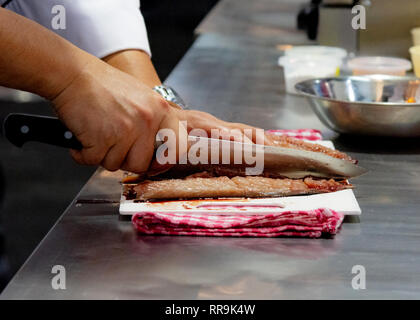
(20, 128)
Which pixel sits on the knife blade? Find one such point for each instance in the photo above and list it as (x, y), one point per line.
(20, 128)
(288, 162)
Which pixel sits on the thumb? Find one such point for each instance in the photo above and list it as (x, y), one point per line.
(176, 143)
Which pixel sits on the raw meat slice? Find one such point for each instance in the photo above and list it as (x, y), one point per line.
(203, 186)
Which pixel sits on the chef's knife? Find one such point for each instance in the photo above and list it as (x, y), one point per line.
(19, 128)
(292, 163)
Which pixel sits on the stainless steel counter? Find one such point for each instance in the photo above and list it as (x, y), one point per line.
(268, 20)
(235, 77)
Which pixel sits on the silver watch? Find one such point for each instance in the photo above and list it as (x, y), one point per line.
(169, 94)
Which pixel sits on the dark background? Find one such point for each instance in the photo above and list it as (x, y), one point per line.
(170, 25)
(38, 182)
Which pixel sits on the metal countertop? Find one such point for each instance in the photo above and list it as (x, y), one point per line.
(268, 20)
(235, 77)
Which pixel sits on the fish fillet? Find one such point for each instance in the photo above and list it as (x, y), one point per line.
(293, 143)
(283, 170)
(202, 186)
(230, 181)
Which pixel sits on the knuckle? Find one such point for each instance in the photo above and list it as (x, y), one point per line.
(125, 126)
(163, 104)
(110, 166)
(103, 136)
(147, 115)
(113, 161)
(134, 166)
(77, 157)
(107, 138)
(128, 167)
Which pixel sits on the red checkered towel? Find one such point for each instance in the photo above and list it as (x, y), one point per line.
(313, 223)
(306, 134)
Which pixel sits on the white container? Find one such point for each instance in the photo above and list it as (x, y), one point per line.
(297, 69)
(415, 57)
(379, 65)
(416, 36)
(311, 51)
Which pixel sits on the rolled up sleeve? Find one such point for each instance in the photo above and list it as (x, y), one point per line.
(100, 27)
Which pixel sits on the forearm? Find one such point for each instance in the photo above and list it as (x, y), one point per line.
(35, 59)
(136, 63)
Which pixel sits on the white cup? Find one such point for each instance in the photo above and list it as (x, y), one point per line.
(315, 51)
(415, 57)
(379, 65)
(416, 36)
(297, 69)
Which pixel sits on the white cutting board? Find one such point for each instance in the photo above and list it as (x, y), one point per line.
(342, 201)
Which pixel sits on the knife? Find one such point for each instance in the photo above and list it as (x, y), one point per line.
(20, 128)
(288, 162)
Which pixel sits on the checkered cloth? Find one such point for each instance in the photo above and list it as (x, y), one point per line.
(312, 223)
(307, 134)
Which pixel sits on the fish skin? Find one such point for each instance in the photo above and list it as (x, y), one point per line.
(293, 143)
(202, 186)
(176, 170)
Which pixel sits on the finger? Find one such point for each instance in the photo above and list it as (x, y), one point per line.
(77, 156)
(93, 156)
(203, 120)
(248, 131)
(232, 135)
(116, 155)
(140, 154)
(141, 150)
(206, 121)
(254, 134)
(172, 122)
(95, 147)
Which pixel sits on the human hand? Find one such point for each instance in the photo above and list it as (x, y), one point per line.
(115, 117)
(229, 130)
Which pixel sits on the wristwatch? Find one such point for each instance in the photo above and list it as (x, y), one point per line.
(169, 94)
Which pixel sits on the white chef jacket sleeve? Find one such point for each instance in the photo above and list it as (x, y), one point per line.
(100, 27)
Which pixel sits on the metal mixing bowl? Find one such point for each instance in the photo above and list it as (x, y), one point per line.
(370, 105)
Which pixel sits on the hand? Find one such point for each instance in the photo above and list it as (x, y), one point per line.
(115, 117)
(139, 65)
(233, 131)
(205, 121)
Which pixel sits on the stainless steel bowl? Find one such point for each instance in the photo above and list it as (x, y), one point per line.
(370, 105)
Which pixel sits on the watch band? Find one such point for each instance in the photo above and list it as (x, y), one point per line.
(169, 94)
